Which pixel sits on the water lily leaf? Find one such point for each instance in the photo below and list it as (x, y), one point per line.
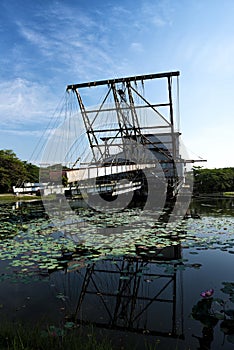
(196, 266)
(69, 325)
(62, 296)
(219, 316)
(124, 278)
(219, 301)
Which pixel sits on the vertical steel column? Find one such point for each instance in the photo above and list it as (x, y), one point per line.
(135, 121)
(172, 120)
(122, 127)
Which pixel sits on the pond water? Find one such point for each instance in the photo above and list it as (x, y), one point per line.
(169, 286)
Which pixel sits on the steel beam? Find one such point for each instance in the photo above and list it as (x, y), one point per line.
(123, 80)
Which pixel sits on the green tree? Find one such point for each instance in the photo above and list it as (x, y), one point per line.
(32, 172)
(213, 180)
(14, 172)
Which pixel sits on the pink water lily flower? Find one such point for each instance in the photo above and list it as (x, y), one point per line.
(208, 293)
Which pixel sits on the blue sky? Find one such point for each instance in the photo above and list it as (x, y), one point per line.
(46, 45)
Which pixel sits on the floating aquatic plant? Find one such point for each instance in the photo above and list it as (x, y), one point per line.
(36, 245)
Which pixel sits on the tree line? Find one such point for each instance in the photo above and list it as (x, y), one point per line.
(213, 180)
(14, 172)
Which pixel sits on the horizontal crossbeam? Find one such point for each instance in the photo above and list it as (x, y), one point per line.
(123, 80)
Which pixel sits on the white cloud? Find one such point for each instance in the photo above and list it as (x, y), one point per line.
(158, 13)
(16, 132)
(82, 43)
(72, 41)
(137, 47)
(35, 38)
(22, 101)
(158, 21)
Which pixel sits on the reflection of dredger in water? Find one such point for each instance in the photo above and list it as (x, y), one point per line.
(130, 294)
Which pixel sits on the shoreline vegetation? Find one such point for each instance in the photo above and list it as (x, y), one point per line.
(17, 336)
(8, 197)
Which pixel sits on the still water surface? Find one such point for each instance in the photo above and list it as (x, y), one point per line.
(152, 294)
